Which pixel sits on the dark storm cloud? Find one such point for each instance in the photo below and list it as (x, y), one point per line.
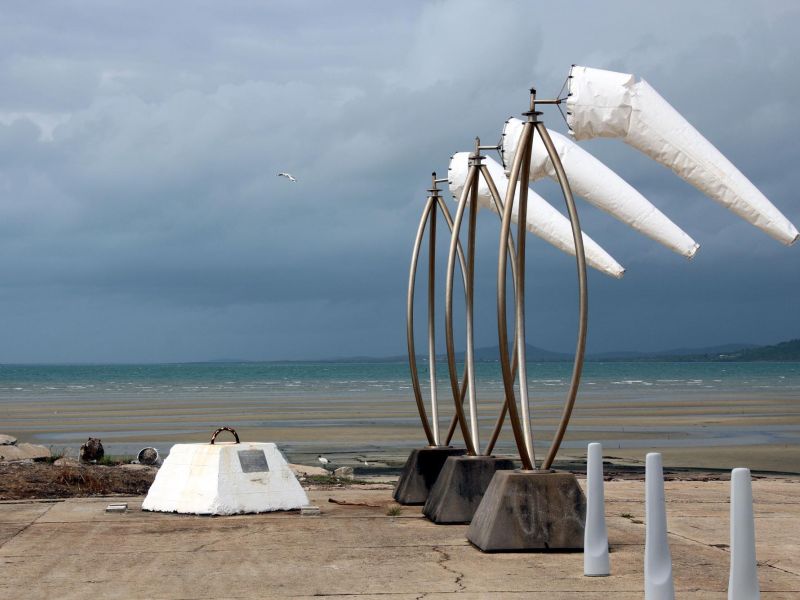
(141, 218)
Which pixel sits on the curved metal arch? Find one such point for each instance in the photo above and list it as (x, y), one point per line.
(498, 203)
(583, 295)
(519, 170)
(502, 321)
(512, 253)
(429, 210)
(469, 432)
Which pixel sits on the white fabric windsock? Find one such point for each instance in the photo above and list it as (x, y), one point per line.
(544, 221)
(610, 104)
(599, 185)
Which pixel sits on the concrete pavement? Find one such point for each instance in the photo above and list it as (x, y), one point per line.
(74, 549)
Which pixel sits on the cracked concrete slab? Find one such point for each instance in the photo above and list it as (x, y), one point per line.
(354, 549)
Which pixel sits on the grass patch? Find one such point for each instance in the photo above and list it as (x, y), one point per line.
(330, 480)
(394, 510)
(55, 454)
(111, 460)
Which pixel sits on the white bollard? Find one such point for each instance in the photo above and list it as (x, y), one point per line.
(743, 581)
(595, 533)
(657, 559)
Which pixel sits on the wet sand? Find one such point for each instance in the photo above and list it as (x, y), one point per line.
(700, 430)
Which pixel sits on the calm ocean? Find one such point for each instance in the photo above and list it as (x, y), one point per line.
(312, 406)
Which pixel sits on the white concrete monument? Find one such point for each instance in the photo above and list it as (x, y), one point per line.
(225, 478)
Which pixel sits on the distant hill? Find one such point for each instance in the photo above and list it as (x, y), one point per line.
(705, 353)
(533, 353)
(785, 351)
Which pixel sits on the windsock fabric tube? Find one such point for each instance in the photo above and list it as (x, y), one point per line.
(543, 220)
(595, 533)
(600, 186)
(743, 580)
(657, 558)
(610, 104)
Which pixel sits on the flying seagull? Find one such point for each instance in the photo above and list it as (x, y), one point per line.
(288, 176)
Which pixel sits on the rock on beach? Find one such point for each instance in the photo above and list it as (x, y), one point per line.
(9, 452)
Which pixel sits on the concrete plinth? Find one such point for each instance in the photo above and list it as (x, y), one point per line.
(460, 487)
(530, 510)
(224, 479)
(421, 472)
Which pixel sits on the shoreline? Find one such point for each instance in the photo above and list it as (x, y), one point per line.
(762, 433)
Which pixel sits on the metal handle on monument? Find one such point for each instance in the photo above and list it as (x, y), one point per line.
(580, 258)
(220, 430)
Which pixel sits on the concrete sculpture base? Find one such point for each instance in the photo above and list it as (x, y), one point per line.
(224, 479)
(530, 510)
(420, 473)
(460, 487)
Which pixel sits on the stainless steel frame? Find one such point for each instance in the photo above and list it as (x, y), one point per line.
(519, 176)
(433, 204)
(512, 364)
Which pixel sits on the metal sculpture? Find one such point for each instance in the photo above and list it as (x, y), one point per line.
(424, 464)
(599, 104)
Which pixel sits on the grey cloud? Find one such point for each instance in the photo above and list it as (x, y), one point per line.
(152, 225)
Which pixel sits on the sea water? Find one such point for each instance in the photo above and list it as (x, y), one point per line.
(132, 405)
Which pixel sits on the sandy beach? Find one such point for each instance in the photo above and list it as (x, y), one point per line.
(704, 428)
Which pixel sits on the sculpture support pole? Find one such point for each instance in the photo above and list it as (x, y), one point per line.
(519, 301)
(434, 200)
(583, 310)
(463, 262)
(412, 355)
(424, 465)
(502, 322)
(498, 204)
(431, 323)
(448, 312)
(469, 362)
(530, 509)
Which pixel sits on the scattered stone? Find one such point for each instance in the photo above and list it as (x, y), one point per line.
(120, 507)
(306, 470)
(310, 511)
(137, 467)
(67, 461)
(344, 472)
(92, 451)
(23, 452)
(349, 503)
(7, 440)
(147, 456)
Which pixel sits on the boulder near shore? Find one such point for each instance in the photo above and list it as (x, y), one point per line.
(11, 450)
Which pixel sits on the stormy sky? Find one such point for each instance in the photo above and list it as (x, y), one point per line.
(141, 218)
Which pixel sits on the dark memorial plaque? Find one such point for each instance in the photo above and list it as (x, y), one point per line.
(253, 461)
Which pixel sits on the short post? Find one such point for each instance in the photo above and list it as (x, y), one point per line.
(595, 533)
(743, 580)
(657, 559)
